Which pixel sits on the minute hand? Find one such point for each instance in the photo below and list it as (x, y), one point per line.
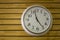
(38, 21)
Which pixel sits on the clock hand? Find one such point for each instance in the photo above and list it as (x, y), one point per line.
(38, 21)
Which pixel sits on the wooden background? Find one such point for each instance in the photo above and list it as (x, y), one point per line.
(10, 19)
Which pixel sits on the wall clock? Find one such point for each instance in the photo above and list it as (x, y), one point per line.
(36, 20)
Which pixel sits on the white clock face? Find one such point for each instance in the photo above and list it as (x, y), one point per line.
(36, 20)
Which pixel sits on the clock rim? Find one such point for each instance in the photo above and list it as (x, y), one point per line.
(27, 30)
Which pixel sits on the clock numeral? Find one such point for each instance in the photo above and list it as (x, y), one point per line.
(42, 27)
(37, 29)
(35, 11)
(45, 14)
(27, 19)
(47, 18)
(32, 27)
(31, 12)
(45, 23)
(28, 24)
(41, 11)
(30, 15)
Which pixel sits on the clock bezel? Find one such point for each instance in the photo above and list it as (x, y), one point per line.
(27, 30)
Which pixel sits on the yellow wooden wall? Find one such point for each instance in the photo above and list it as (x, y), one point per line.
(10, 19)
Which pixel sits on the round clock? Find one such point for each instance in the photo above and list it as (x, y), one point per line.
(36, 20)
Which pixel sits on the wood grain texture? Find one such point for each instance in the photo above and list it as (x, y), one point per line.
(10, 19)
(18, 15)
(29, 38)
(9, 1)
(19, 27)
(19, 21)
(11, 27)
(23, 33)
(22, 6)
(21, 10)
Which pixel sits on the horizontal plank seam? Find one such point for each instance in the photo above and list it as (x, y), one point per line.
(20, 18)
(26, 36)
(10, 18)
(31, 36)
(20, 24)
(21, 13)
(28, 2)
(25, 8)
(10, 24)
(23, 30)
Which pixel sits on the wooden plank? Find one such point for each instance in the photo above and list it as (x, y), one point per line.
(56, 21)
(9, 1)
(10, 22)
(29, 38)
(22, 10)
(19, 21)
(11, 27)
(12, 6)
(55, 27)
(11, 10)
(10, 15)
(19, 27)
(54, 10)
(19, 15)
(23, 33)
(55, 15)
